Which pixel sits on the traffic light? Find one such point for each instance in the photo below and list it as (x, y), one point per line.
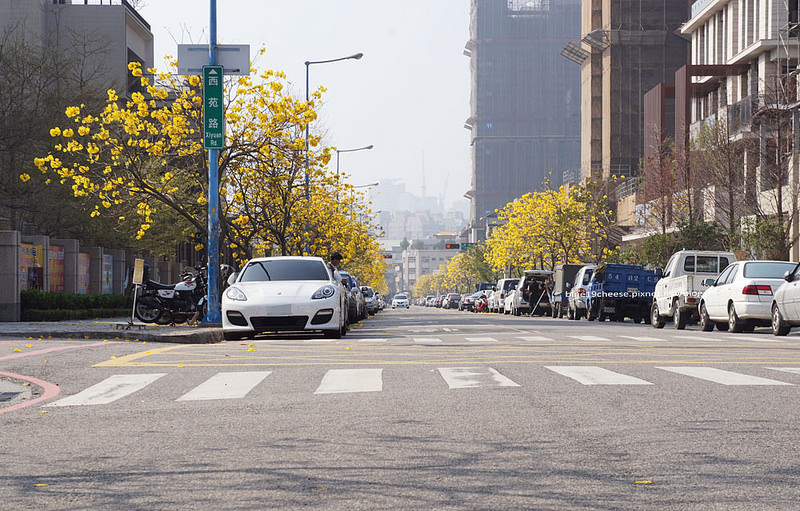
(452, 245)
(387, 256)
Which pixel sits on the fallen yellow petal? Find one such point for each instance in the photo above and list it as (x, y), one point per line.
(17, 350)
(28, 345)
(39, 485)
(112, 356)
(42, 411)
(180, 365)
(643, 482)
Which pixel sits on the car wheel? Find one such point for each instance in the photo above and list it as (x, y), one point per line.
(680, 317)
(779, 327)
(655, 316)
(735, 324)
(706, 325)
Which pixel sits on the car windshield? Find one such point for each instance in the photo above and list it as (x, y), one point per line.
(399, 297)
(767, 270)
(284, 269)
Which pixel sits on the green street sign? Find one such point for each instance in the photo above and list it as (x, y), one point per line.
(467, 245)
(213, 113)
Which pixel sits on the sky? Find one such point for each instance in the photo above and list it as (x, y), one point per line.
(408, 96)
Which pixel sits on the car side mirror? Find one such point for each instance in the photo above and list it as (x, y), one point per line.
(232, 277)
(568, 285)
(788, 277)
(709, 282)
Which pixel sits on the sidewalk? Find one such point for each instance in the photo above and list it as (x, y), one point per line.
(112, 328)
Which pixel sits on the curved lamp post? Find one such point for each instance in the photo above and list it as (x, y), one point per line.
(308, 64)
(338, 151)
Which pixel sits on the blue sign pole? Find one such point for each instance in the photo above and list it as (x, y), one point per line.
(214, 314)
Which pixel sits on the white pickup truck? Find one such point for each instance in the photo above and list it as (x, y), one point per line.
(681, 284)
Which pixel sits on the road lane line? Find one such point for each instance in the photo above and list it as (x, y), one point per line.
(229, 385)
(340, 381)
(373, 340)
(50, 350)
(590, 375)
(588, 338)
(793, 370)
(471, 377)
(109, 390)
(481, 339)
(721, 376)
(427, 339)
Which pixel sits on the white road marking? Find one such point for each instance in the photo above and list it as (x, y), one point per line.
(721, 376)
(427, 339)
(481, 339)
(373, 340)
(230, 385)
(710, 337)
(644, 338)
(589, 375)
(534, 338)
(110, 389)
(794, 370)
(471, 377)
(339, 381)
(588, 338)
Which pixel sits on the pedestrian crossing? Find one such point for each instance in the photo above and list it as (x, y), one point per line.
(239, 384)
(710, 337)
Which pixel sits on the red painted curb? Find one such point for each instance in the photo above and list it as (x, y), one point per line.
(51, 390)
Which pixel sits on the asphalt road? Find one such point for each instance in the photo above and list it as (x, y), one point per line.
(413, 409)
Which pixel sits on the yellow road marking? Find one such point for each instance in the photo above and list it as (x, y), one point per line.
(127, 359)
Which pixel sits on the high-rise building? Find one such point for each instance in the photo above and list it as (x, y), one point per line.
(107, 34)
(525, 100)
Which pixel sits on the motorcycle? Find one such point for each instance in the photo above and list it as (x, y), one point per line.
(481, 304)
(166, 304)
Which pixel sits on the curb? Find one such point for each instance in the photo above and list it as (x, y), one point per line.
(192, 336)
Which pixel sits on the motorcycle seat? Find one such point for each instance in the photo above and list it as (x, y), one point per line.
(152, 284)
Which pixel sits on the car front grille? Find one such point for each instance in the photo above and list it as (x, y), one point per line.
(269, 323)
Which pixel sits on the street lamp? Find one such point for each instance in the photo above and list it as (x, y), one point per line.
(338, 151)
(367, 185)
(308, 63)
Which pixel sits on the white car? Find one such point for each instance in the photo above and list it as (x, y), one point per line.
(284, 294)
(786, 303)
(400, 301)
(741, 298)
(576, 308)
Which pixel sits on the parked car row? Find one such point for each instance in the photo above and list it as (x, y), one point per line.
(709, 288)
(294, 294)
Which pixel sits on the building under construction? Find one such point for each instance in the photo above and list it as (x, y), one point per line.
(525, 100)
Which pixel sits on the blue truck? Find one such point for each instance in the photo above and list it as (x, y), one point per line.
(619, 291)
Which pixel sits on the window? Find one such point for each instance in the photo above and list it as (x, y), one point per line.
(724, 277)
(284, 269)
(767, 270)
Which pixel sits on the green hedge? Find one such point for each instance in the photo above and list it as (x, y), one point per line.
(42, 306)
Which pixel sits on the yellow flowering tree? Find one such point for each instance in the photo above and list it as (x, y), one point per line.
(145, 155)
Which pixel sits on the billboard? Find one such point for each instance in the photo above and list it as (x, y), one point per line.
(84, 263)
(55, 263)
(31, 263)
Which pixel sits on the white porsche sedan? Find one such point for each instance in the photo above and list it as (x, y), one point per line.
(741, 297)
(284, 294)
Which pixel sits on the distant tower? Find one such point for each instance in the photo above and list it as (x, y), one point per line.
(525, 99)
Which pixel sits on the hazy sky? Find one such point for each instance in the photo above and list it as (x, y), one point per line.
(408, 95)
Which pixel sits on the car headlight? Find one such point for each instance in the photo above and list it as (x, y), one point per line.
(234, 293)
(324, 292)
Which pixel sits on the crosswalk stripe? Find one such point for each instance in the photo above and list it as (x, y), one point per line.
(339, 381)
(470, 377)
(721, 376)
(481, 339)
(427, 339)
(534, 338)
(710, 337)
(588, 338)
(373, 340)
(230, 385)
(644, 338)
(794, 370)
(110, 389)
(589, 375)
